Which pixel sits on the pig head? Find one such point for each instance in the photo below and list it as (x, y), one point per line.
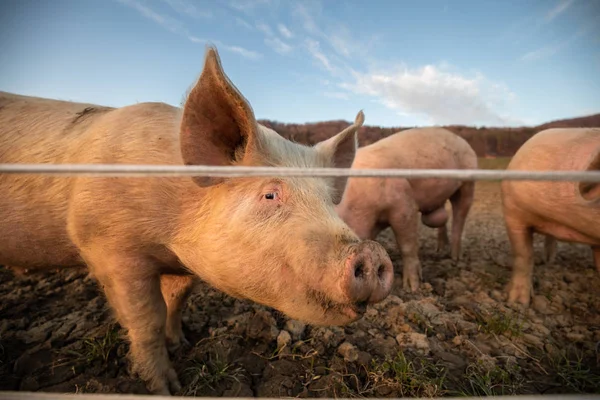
(276, 241)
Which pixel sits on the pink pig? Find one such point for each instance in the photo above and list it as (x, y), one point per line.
(276, 241)
(567, 211)
(370, 205)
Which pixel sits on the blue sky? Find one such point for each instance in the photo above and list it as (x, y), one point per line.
(405, 62)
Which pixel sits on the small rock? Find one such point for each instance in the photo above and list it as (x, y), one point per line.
(540, 304)
(348, 351)
(295, 328)
(405, 328)
(546, 286)
(497, 295)
(575, 337)
(284, 339)
(457, 340)
(262, 326)
(364, 358)
(541, 330)
(533, 340)
(416, 340)
(570, 277)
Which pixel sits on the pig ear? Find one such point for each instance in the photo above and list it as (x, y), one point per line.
(341, 149)
(217, 121)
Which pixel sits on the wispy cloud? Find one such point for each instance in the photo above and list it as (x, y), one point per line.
(552, 49)
(314, 48)
(178, 27)
(264, 28)
(247, 6)
(336, 95)
(440, 96)
(186, 8)
(271, 39)
(285, 32)
(243, 23)
(253, 55)
(337, 35)
(278, 45)
(558, 9)
(163, 20)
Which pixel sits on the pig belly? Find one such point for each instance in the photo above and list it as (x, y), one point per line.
(436, 218)
(565, 233)
(33, 235)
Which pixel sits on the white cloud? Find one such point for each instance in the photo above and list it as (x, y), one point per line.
(186, 8)
(285, 32)
(561, 7)
(440, 96)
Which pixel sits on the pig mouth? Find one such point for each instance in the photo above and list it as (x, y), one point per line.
(329, 306)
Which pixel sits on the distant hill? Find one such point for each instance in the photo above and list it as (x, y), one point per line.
(486, 141)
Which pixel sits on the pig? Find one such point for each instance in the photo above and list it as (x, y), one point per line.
(275, 241)
(567, 211)
(370, 205)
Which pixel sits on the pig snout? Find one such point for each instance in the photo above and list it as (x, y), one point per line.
(369, 274)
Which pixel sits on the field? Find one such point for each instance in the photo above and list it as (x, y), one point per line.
(455, 337)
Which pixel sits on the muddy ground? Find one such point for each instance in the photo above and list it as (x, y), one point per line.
(455, 337)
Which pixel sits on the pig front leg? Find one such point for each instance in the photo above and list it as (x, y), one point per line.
(175, 290)
(520, 288)
(133, 288)
(461, 201)
(405, 224)
(549, 249)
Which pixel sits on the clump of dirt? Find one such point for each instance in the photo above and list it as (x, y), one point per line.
(456, 336)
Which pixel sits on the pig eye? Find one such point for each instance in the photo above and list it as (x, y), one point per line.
(271, 196)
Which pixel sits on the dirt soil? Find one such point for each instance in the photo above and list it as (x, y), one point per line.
(455, 337)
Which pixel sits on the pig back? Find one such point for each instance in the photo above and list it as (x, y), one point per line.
(558, 149)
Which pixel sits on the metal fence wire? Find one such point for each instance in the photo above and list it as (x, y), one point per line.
(130, 170)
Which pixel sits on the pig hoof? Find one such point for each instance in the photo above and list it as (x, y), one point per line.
(411, 284)
(174, 345)
(519, 294)
(167, 385)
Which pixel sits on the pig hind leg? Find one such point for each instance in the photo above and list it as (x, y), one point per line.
(132, 287)
(175, 290)
(405, 224)
(461, 201)
(520, 287)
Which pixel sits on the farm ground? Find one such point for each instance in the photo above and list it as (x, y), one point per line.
(456, 336)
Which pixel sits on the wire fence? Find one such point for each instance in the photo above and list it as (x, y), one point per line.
(130, 170)
(101, 396)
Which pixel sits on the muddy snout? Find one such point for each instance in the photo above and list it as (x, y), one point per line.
(369, 274)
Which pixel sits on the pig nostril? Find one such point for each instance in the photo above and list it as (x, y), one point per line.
(359, 270)
(380, 271)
